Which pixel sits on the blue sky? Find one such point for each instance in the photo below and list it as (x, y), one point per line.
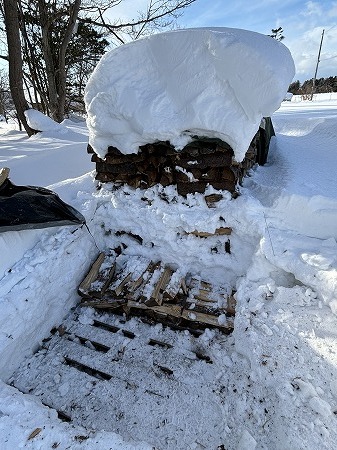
(302, 22)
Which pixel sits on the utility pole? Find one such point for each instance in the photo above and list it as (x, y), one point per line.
(318, 60)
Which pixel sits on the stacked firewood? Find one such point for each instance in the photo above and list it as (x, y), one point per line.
(201, 163)
(160, 292)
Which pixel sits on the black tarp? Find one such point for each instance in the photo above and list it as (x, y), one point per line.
(263, 141)
(30, 207)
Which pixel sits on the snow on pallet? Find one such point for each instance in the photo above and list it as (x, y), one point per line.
(143, 287)
(146, 383)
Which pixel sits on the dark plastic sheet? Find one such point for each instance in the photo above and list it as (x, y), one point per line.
(31, 207)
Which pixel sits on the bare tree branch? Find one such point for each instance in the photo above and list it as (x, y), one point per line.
(51, 58)
(156, 10)
(113, 32)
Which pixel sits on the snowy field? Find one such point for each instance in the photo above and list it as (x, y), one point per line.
(273, 382)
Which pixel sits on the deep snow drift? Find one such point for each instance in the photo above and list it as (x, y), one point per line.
(46, 158)
(216, 82)
(274, 379)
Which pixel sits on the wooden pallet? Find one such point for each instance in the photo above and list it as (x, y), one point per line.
(126, 376)
(159, 292)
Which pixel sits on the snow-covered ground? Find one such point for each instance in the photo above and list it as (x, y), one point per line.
(274, 378)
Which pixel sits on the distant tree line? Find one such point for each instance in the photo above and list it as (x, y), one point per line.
(322, 85)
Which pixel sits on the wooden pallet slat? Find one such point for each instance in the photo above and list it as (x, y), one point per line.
(133, 285)
(175, 286)
(91, 275)
(221, 231)
(157, 293)
(98, 278)
(134, 274)
(178, 312)
(118, 286)
(145, 287)
(149, 287)
(113, 304)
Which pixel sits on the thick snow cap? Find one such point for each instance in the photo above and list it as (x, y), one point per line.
(215, 82)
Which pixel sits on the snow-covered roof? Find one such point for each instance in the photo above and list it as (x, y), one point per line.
(216, 82)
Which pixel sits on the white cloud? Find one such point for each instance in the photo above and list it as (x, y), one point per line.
(312, 9)
(302, 22)
(305, 52)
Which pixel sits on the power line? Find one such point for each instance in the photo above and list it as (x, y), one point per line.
(333, 26)
(331, 57)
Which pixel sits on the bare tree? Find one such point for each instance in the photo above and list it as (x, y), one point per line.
(48, 30)
(11, 19)
(6, 102)
(56, 78)
(159, 14)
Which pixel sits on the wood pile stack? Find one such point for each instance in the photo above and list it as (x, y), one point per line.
(146, 288)
(203, 162)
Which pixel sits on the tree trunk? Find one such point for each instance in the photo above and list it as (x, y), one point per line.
(15, 62)
(73, 15)
(45, 23)
(56, 76)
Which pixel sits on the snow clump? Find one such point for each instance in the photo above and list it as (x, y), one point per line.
(215, 82)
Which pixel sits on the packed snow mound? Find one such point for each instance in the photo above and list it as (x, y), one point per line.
(40, 122)
(215, 82)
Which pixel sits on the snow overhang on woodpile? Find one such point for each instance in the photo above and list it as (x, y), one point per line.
(214, 82)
